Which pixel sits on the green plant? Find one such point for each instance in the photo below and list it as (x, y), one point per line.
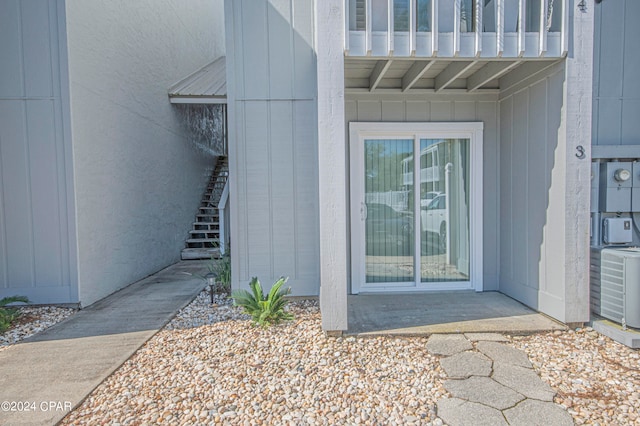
(264, 310)
(222, 269)
(8, 314)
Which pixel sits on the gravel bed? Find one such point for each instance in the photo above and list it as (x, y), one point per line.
(210, 366)
(224, 371)
(597, 379)
(31, 321)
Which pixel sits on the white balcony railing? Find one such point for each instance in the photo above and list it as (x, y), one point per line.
(456, 28)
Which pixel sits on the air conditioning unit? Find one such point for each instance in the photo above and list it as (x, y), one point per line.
(615, 284)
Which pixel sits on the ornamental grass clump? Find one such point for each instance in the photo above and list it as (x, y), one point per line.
(264, 310)
(8, 314)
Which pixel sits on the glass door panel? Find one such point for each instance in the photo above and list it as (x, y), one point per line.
(389, 219)
(444, 210)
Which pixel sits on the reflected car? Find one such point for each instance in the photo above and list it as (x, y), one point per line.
(388, 232)
(433, 220)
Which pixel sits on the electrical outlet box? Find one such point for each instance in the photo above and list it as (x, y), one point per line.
(617, 230)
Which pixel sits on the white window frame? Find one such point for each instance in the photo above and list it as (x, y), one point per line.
(358, 132)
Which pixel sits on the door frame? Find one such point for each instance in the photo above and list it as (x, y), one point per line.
(358, 132)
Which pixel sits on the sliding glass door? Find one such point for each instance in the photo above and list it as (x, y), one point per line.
(415, 203)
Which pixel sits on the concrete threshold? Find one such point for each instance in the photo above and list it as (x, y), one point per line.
(419, 314)
(45, 377)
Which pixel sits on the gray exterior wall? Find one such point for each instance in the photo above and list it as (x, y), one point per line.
(532, 211)
(37, 230)
(443, 108)
(616, 89)
(138, 179)
(273, 160)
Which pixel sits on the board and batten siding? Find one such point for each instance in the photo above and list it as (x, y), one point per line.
(448, 108)
(616, 89)
(273, 159)
(532, 237)
(37, 243)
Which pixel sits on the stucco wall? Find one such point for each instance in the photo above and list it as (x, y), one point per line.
(138, 179)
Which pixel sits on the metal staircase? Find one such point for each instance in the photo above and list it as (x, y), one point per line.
(204, 237)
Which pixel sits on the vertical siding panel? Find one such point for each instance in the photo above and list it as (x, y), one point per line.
(536, 188)
(441, 111)
(554, 230)
(464, 111)
(258, 195)
(281, 58)
(393, 111)
(631, 64)
(242, 214)
(506, 213)
(11, 84)
(255, 47)
(350, 112)
(306, 160)
(37, 48)
(45, 197)
(611, 36)
(304, 54)
(519, 186)
(418, 111)
(16, 194)
(282, 190)
(630, 122)
(609, 121)
(487, 113)
(369, 111)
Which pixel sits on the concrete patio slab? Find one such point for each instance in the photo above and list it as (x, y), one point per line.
(486, 337)
(55, 370)
(443, 312)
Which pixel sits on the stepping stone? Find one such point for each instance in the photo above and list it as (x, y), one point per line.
(522, 380)
(537, 413)
(448, 344)
(466, 364)
(457, 412)
(503, 353)
(488, 337)
(484, 391)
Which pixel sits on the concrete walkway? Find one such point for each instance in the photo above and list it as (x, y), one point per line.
(45, 377)
(492, 384)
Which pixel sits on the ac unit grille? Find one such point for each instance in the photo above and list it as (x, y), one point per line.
(615, 284)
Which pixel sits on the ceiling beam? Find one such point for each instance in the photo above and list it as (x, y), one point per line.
(525, 70)
(414, 73)
(489, 72)
(378, 73)
(451, 73)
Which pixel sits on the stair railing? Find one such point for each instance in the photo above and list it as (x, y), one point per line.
(223, 217)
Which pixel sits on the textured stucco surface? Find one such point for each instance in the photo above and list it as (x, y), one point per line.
(138, 179)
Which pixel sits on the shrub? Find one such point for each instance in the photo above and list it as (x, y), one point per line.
(222, 269)
(264, 310)
(8, 314)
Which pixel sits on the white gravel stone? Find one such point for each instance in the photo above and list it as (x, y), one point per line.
(221, 370)
(33, 320)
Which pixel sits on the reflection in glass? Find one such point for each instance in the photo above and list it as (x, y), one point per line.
(389, 222)
(444, 210)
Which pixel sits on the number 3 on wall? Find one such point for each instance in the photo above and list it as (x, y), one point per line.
(580, 154)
